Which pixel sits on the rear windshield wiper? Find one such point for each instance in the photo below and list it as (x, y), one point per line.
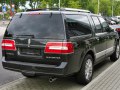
(22, 36)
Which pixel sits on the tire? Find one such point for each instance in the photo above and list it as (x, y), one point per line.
(85, 74)
(115, 55)
(28, 75)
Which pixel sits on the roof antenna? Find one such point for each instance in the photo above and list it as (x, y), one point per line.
(51, 14)
(20, 15)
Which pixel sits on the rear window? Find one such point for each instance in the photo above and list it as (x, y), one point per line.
(40, 26)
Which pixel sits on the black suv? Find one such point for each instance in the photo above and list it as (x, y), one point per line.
(58, 43)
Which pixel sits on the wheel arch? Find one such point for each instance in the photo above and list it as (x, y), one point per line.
(91, 52)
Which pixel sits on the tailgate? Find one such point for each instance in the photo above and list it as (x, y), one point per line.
(32, 51)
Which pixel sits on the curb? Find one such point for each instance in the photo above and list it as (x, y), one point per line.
(99, 76)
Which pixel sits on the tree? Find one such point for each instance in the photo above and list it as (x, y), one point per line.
(43, 4)
(105, 7)
(116, 9)
(74, 4)
(92, 5)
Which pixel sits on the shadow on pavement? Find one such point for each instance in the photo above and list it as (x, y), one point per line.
(41, 83)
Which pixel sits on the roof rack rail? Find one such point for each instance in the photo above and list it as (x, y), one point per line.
(75, 10)
(61, 9)
(34, 9)
(42, 9)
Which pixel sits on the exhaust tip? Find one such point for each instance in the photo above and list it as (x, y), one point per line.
(52, 79)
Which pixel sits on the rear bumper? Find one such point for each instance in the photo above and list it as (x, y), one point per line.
(38, 69)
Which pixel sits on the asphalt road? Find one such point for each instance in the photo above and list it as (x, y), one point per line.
(60, 84)
(5, 75)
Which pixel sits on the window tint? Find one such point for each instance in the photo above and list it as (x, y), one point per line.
(77, 25)
(41, 26)
(103, 22)
(97, 25)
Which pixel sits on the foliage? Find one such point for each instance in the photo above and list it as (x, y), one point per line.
(74, 4)
(92, 5)
(106, 7)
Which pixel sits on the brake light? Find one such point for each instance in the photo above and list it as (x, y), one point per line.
(34, 13)
(8, 44)
(117, 29)
(59, 48)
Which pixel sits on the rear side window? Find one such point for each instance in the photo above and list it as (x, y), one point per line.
(40, 26)
(97, 25)
(103, 23)
(77, 25)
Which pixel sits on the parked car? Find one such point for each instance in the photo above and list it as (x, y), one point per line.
(118, 17)
(58, 44)
(115, 19)
(109, 20)
(116, 28)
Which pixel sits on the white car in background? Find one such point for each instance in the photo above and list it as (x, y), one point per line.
(118, 17)
(115, 18)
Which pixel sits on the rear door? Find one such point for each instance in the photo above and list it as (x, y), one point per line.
(78, 30)
(110, 36)
(100, 39)
(31, 32)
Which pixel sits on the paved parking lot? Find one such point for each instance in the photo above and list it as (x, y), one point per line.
(41, 83)
(108, 80)
(5, 75)
(4, 23)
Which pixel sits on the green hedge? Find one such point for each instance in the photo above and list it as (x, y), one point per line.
(6, 16)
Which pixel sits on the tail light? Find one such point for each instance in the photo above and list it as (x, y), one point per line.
(8, 44)
(59, 48)
(117, 29)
